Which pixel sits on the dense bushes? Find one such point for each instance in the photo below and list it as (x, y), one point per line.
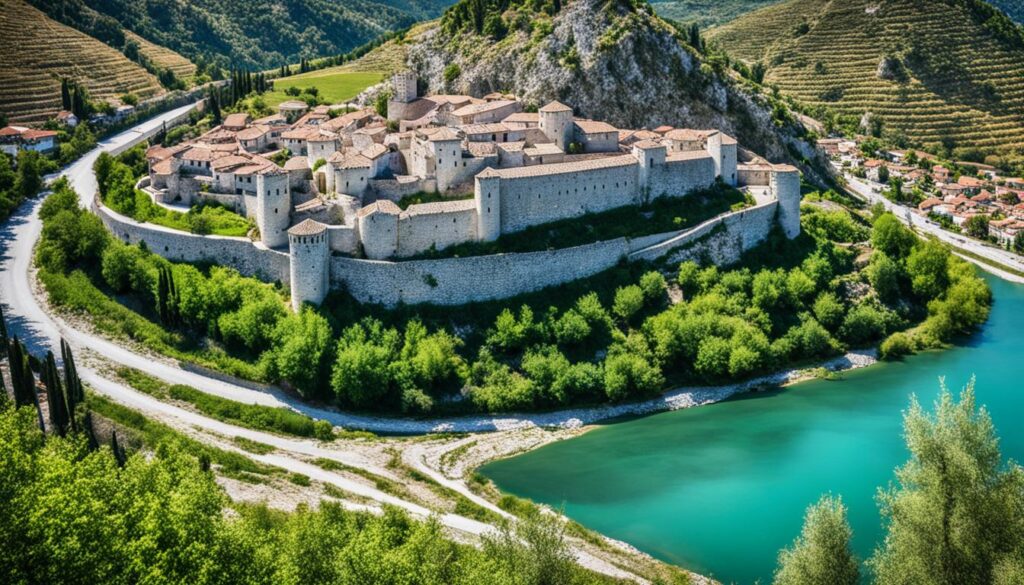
(75, 515)
(788, 301)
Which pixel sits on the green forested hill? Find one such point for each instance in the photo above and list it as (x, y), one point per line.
(250, 34)
(946, 72)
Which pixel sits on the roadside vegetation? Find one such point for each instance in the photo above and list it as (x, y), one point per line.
(117, 177)
(952, 517)
(76, 511)
(627, 334)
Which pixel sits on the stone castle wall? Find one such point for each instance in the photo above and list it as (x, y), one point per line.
(676, 178)
(419, 232)
(536, 199)
(242, 254)
(456, 281)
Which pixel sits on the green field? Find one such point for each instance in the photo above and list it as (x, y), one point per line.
(335, 85)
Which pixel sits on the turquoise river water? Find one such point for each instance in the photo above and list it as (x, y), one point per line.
(721, 488)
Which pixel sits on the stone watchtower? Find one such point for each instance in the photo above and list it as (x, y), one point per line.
(273, 207)
(556, 123)
(487, 195)
(785, 186)
(310, 263)
(650, 154)
(722, 149)
(403, 92)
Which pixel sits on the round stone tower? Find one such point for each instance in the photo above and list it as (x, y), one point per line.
(488, 205)
(273, 207)
(310, 263)
(556, 123)
(785, 186)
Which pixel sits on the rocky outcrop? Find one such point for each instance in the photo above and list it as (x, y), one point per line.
(612, 62)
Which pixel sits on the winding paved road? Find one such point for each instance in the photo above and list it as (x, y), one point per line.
(865, 190)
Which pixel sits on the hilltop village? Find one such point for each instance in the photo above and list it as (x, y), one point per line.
(493, 167)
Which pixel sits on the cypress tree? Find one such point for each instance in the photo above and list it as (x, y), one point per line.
(3, 334)
(118, 451)
(4, 399)
(22, 381)
(75, 391)
(55, 396)
(65, 94)
(161, 295)
(90, 432)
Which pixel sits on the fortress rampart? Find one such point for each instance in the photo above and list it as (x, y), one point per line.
(338, 223)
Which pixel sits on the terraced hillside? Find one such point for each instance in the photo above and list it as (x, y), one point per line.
(38, 52)
(163, 57)
(934, 70)
(707, 13)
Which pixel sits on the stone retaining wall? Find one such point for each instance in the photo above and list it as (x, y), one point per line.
(248, 257)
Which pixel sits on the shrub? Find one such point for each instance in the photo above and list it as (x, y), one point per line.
(890, 237)
(653, 286)
(628, 302)
(896, 345)
(828, 310)
(628, 375)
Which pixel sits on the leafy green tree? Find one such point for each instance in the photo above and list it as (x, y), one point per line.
(511, 333)
(821, 555)
(653, 286)
(976, 226)
(955, 513)
(713, 357)
(628, 302)
(890, 237)
(886, 276)
(299, 352)
(362, 376)
(631, 374)
(828, 310)
(928, 268)
(687, 278)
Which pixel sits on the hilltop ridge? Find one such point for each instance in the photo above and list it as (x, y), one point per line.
(614, 61)
(942, 73)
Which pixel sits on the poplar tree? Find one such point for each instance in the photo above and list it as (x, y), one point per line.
(821, 555)
(956, 512)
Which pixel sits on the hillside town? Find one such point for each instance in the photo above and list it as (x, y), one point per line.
(438, 171)
(973, 198)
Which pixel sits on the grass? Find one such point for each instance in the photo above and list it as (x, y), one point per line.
(662, 215)
(335, 85)
(204, 218)
(962, 86)
(39, 51)
(426, 197)
(252, 446)
(154, 434)
(250, 416)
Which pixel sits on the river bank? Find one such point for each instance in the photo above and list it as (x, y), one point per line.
(737, 475)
